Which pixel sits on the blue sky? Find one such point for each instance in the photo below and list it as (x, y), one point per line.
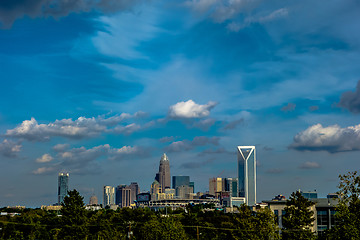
(102, 88)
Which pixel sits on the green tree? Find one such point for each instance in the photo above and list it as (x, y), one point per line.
(298, 218)
(348, 208)
(73, 217)
(162, 228)
(266, 227)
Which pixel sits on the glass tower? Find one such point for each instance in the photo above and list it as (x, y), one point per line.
(63, 186)
(247, 173)
(178, 181)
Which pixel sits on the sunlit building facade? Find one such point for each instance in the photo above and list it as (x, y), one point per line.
(109, 196)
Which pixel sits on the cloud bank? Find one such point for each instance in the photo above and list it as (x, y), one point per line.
(351, 100)
(332, 139)
(187, 145)
(82, 160)
(80, 128)
(10, 10)
(9, 148)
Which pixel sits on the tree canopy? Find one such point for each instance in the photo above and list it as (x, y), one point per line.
(298, 218)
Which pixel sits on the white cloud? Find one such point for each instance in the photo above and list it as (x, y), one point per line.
(204, 124)
(332, 139)
(186, 145)
(128, 129)
(44, 170)
(60, 147)
(84, 161)
(45, 158)
(190, 109)
(221, 10)
(236, 25)
(76, 129)
(9, 148)
(309, 165)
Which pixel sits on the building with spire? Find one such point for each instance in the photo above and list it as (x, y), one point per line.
(163, 176)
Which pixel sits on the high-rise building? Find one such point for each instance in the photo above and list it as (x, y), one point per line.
(247, 173)
(178, 181)
(231, 186)
(184, 192)
(135, 190)
(163, 176)
(109, 196)
(215, 185)
(192, 185)
(63, 186)
(123, 196)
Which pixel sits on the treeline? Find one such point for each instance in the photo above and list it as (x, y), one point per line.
(196, 222)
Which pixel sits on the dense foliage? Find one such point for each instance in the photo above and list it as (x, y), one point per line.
(196, 222)
(348, 209)
(298, 218)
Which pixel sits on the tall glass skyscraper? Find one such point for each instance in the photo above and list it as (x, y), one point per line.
(247, 173)
(63, 186)
(178, 181)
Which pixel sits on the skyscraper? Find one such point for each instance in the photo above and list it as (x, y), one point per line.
(178, 181)
(215, 185)
(123, 196)
(109, 196)
(231, 186)
(63, 186)
(163, 176)
(247, 173)
(135, 190)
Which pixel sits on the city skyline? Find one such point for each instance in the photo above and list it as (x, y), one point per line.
(101, 89)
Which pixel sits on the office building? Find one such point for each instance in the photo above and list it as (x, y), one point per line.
(324, 212)
(109, 196)
(309, 194)
(63, 186)
(123, 196)
(184, 192)
(247, 173)
(192, 185)
(178, 181)
(231, 186)
(163, 176)
(215, 185)
(135, 190)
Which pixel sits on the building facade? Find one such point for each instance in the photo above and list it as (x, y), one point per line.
(123, 196)
(178, 181)
(109, 196)
(163, 176)
(231, 186)
(247, 173)
(135, 190)
(215, 185)
(63, 186)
